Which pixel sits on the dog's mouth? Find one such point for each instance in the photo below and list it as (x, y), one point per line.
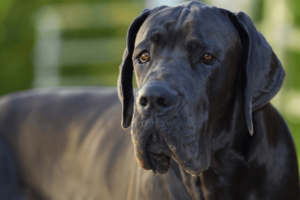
(158, 153)
(160, 163)
(156, 141)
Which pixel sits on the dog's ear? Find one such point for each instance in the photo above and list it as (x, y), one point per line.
(262, 71)
(125, 89)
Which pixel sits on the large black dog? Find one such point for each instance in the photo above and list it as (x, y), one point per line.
(201, 120)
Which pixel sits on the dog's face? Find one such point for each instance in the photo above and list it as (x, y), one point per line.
(182, 57)
(187, 62)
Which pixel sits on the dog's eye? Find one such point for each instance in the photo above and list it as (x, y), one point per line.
(208, 59)
(144, 57)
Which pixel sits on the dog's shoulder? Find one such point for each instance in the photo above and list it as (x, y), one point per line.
(272, 136)
(272, 132)
(268, 119)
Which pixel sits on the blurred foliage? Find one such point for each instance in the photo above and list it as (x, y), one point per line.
(95, 32)
(292, 82)
(295, 8)
(257, 10)
(292, 64)
(16, 42)
(109, 68)
(17, 38)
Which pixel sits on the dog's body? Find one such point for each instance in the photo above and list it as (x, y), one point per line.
(85, 154)
(205, 77)
(82, 154)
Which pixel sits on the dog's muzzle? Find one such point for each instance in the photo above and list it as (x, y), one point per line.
(154, 100)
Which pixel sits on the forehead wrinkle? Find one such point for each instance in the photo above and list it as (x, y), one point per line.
(207, 23)
(165, 31)
(165, 19)
(169, 25)
(157, 35)
(155, 26)
(188, 22)
(184, 13)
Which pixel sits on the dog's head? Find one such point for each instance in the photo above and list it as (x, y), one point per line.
(189, 61)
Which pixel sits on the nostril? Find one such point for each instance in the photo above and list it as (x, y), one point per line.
(143, 101)
(161, 101)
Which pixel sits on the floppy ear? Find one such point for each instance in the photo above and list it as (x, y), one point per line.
(263, 73)
(125, 89)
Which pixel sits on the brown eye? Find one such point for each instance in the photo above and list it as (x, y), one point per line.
(144, 57)
(208, 59)
(207, 56)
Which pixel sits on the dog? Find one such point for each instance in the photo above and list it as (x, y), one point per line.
(200, 120)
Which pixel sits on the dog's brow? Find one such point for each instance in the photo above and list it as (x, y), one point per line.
(169, 25)
(137, 50)
(194, 43)
(157, 35)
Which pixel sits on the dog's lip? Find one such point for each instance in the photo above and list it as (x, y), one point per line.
(160, 163)
(192, 172)
(158, 153)
(187, 167)
(154, 151)
(157, 157)
(164, 163)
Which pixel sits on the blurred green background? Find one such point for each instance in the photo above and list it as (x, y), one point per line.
(49, 43)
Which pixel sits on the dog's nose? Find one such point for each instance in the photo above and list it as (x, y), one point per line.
(156, 95)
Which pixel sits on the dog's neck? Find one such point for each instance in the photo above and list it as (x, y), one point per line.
(230, 141)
